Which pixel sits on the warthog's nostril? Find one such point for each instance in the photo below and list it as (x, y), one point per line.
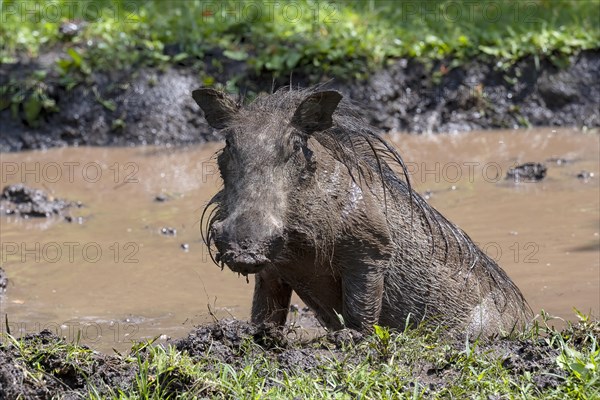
(249, 259)
(243, 261)
(260, 259)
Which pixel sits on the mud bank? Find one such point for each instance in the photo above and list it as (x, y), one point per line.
(45, 366)
(154, 106)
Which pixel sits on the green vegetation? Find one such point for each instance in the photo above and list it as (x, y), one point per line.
(341, 39)
(542, 364)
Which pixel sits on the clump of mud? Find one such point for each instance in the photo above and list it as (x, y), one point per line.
(528, 172)
(236, 343)
(28, 202)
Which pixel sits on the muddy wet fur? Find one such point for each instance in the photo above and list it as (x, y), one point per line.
(316, 202)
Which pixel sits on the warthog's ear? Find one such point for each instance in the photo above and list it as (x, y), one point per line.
(315, 112)
(217, 106)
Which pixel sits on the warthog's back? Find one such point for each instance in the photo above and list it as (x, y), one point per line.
(453, 282)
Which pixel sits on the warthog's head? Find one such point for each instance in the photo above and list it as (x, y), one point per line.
(266, 160)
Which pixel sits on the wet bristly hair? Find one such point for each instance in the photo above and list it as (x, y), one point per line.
(373, 164)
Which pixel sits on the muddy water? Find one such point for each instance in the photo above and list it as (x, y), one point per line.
(116, 277)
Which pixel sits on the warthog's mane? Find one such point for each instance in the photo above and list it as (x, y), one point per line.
(376, 165)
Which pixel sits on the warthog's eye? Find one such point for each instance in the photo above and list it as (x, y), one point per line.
(297, 145)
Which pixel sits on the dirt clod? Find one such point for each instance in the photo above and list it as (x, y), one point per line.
(28, 202)
(528, 172)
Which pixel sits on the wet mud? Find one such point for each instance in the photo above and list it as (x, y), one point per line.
(152, 106)
(407, 96)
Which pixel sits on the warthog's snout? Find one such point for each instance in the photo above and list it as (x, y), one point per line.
(242, 254)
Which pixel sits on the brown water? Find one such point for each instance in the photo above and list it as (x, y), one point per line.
(116, 278)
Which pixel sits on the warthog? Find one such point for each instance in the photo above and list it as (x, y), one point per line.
(311, 202)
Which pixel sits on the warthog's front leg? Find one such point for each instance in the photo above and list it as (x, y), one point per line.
(271, 298)
(362, 288)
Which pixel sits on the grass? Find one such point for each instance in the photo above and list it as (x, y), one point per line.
(340, 39)
(415, 364)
